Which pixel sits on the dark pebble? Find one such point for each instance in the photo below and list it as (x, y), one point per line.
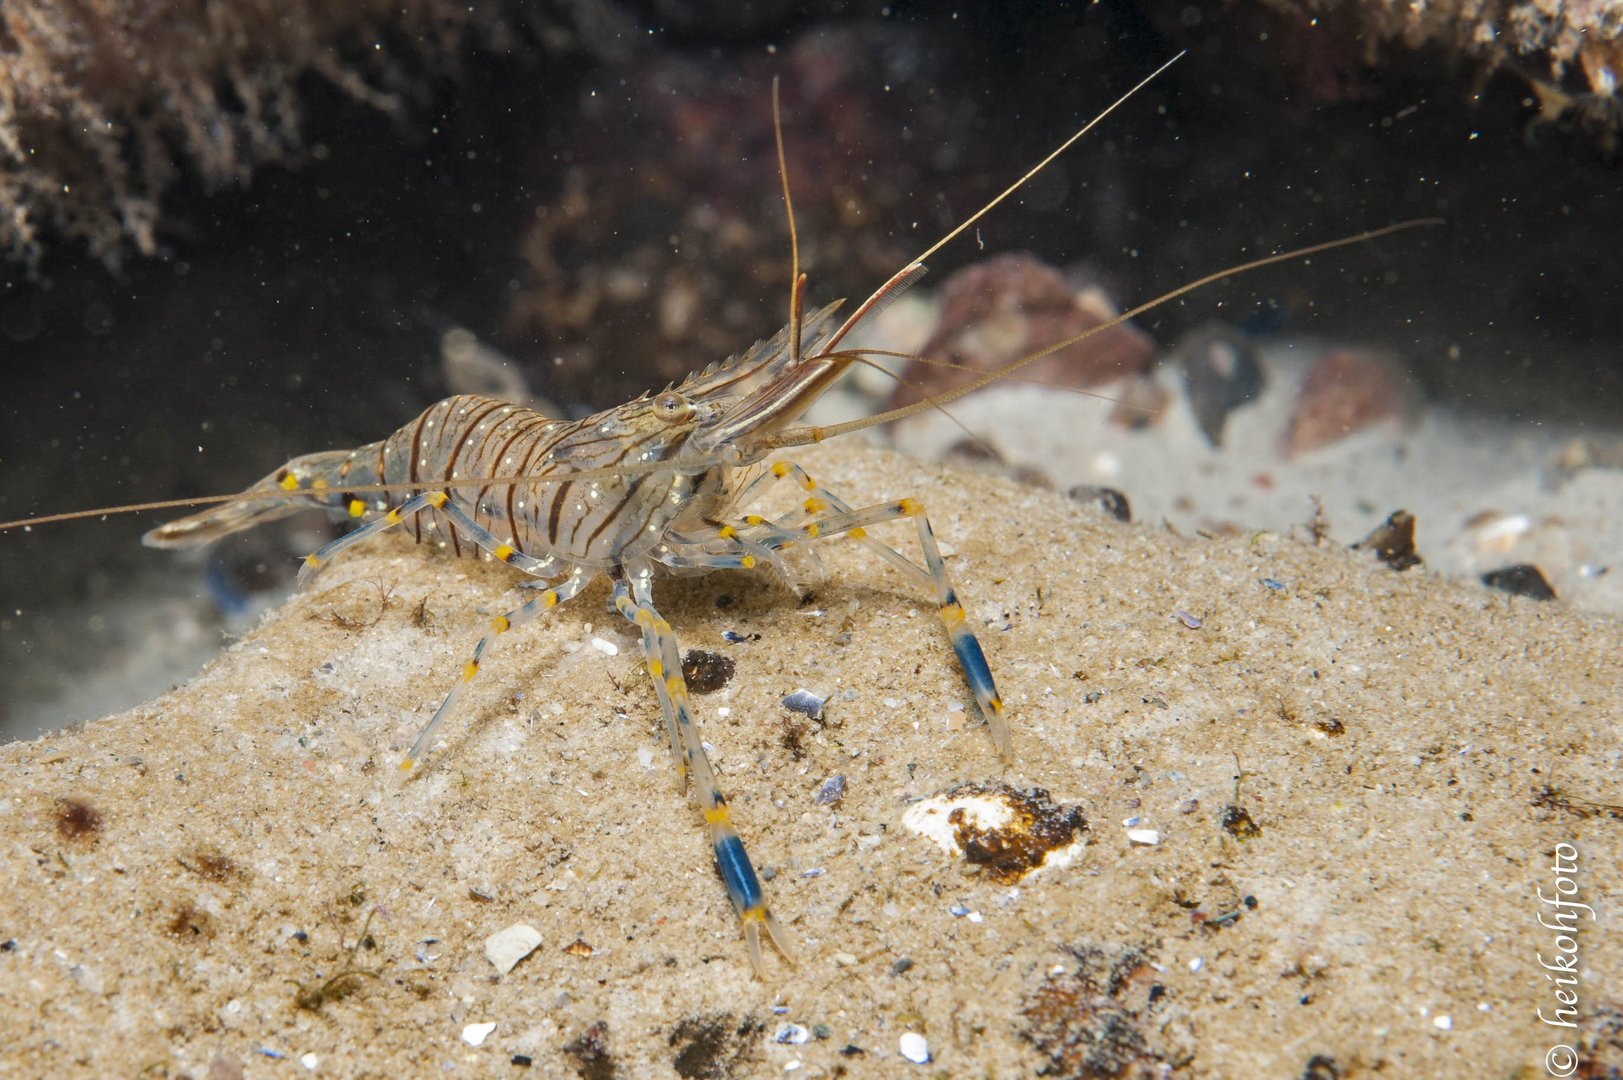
(1523, 579)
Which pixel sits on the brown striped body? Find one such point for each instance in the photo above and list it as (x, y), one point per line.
(622, 486)
(596, 523)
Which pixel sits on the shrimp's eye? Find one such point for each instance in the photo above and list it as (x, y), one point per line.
(672, 407)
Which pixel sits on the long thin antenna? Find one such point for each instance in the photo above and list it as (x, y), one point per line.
(801, 436)
(797, 280)
(1043, 164)
(133, 508)
(911, 272)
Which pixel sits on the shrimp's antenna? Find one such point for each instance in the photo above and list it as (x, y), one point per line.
(797, 280)
(916, 267)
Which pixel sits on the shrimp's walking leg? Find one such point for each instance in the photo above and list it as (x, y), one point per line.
(428, 500)
(758, 532)
(635, 603)
(520, 615)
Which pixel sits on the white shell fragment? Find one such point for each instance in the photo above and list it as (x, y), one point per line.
(507, 947)
(607, 648)
(930, 818)
(915, 1048)
(804, 701)
(791, 1035)
(1146, 837)
(1006, 833)
(476, 1034)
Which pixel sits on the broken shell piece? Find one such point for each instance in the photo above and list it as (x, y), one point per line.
(830, 791)
(507, 947)
(1393, 541)
(1143, 837)
(1498, 533)
(804, 701)
(476, 1034)
(915, 1048)
(1008, 832)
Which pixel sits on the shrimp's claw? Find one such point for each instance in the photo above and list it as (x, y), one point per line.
(753, 920)
(304, 481)
(218, 521)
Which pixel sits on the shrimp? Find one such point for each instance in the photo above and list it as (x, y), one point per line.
(660, 485)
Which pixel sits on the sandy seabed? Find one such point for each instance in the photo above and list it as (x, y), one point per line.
(186, 881)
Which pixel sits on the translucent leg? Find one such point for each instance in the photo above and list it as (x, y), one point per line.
(428, 500)
(520, 615)
(824, 515)
(634, 603)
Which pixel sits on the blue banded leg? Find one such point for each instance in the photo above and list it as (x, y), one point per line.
(501, 624)
(634, 602)
(854, 523)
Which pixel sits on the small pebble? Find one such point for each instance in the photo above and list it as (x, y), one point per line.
(791, 1034)
(706, 671)
(1194, 622)
(1196, 964)
(1220, 374)
(607, 648)
(1523, 579)
(1273, 583)
(804, 701)
(310, 1061)
(958, 911)
(1443, 1023)
(1147, 837)
(506, 948)
(1106, 500)
(476, 1034)
(915, 1048)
